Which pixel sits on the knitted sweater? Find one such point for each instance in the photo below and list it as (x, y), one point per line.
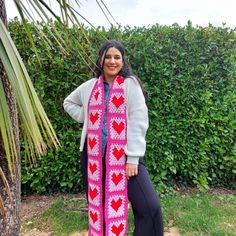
(76, 105)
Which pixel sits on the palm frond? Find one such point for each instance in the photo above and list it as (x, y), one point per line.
(6, 128)
(7, 188)
(37, 132)
(70, 16)
(103, 11)
(2, 211)
(38, 5)
(109, 12)
(5, 182)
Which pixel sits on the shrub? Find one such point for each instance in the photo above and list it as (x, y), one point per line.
(189, 73)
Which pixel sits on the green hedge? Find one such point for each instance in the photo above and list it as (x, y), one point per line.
(189, 73)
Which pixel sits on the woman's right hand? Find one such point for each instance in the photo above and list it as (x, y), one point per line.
(131, 170)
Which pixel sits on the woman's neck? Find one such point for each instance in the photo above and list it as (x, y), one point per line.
(109, 80)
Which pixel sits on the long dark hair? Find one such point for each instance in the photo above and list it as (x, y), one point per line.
(126, 70)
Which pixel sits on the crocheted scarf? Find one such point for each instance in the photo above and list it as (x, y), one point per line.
(115, 210)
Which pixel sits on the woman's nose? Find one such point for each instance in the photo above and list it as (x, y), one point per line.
(112, 59)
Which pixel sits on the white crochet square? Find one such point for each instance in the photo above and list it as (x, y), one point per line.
(93, 144)
(117, 155)
(95, 218)
(117, 103)
(117, 180)
(93, 169)
(117, 128)
(117, 228)
(96, 97)
(116, 206)
(94, 194)
(94, 119)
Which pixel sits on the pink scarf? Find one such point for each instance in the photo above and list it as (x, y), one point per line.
(115, 211)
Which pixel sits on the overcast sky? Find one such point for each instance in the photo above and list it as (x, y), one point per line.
(149, 12)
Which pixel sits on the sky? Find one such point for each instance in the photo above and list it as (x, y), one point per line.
(149, 12)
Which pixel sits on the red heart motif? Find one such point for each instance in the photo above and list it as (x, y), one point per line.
(96, 95)
(94, 216)
(116, 204)
(118, 101)
(92, 167)
(120, 80)
(94, 117)
(116, 178)
(118, 127)
(93, 192)
(118, 153)
(117, 230)
(92, 142)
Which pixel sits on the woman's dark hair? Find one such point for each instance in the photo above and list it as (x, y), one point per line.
(125, 71)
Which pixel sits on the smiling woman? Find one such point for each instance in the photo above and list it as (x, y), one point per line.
(114, 114)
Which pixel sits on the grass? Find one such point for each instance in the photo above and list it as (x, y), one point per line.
(201, 214)
(193, 214)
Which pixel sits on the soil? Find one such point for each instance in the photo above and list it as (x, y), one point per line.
(34, 205)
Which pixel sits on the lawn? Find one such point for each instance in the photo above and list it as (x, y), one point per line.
(193, 214)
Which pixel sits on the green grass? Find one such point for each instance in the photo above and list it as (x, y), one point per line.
(193, 214)
(65, 216)
(201, 214)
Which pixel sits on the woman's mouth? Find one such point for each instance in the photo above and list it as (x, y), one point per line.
(111, 67)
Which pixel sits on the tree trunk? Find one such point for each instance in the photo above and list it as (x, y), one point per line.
(10, 217)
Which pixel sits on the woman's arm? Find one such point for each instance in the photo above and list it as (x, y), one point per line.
(137, 123)
(73, 104)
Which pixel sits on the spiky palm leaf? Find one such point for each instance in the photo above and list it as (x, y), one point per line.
(37, 132)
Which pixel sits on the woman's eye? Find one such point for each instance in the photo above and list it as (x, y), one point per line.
(115, 57)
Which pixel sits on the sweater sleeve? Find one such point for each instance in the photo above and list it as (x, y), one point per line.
(137, 123)
(73, 104)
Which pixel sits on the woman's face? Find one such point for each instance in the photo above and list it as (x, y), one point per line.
(113, 63)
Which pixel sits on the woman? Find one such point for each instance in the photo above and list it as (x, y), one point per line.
(114, 114)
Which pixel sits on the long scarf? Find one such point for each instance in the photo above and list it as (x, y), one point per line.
(114, 213)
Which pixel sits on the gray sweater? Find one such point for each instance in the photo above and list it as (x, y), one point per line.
(76, 105)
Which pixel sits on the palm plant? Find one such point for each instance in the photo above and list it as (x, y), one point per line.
(20, 107)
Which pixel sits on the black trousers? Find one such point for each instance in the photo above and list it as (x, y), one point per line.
(142, 196)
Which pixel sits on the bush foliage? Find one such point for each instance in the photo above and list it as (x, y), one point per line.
(189, 73)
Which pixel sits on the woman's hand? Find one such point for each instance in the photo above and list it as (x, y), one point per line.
(131, 170)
